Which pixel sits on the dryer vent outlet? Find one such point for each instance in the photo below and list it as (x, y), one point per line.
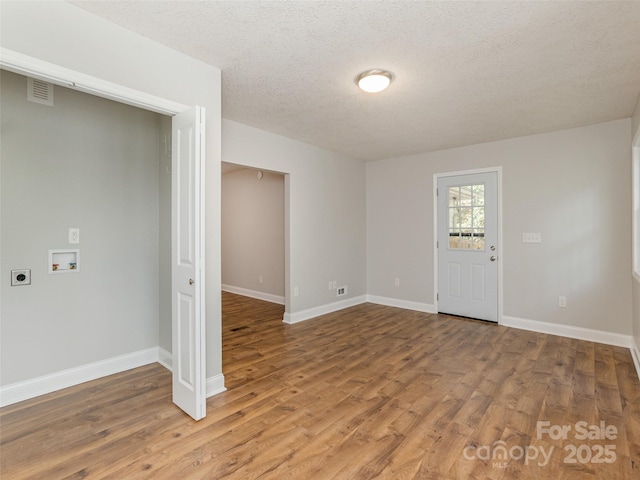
(20, 277)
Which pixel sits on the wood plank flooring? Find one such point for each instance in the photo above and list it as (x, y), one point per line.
(369, 392)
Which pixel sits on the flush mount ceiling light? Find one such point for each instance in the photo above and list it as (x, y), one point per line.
(373, 81)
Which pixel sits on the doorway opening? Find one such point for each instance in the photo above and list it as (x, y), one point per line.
(253, 232)
(254, 257)
(101, 168)
(193, 121)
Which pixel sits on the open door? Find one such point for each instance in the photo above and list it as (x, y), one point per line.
(187, 262)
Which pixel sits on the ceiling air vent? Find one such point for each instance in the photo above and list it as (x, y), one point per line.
(39, 91)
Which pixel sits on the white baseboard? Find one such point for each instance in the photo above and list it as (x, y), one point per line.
(267, 297)
(165, 358)
(635, 354)
(406, 304)
(570, 331)
(20, 391)
(303, 315)
(215, 385)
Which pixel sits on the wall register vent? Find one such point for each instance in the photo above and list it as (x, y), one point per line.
(39, 91)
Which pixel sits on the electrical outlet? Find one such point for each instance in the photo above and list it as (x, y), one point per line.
(260, 279)
(74, 235)
(397, 282)
(562, 302)
(342, 291)
(330, 285)
(20, 277)
(296, 291)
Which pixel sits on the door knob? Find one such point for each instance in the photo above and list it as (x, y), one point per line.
(493, 258)
(191, 281)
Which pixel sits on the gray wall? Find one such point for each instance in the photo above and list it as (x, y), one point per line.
(572, 186)
(70, 38)
(326, 212)
(164, 230)
(253, 231)
(88, 163)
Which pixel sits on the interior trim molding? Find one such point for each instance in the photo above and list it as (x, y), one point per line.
(267, 297)
(52, 382)
(635, 355)
(17, 392)
(34, 67)
(309, 313)
(215, 385)
(406, 304)
(570, 331)
(165, 358)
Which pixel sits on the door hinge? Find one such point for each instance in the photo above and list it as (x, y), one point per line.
(437, 296)
(438, 244)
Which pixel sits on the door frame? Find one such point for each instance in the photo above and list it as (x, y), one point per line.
(436, 176)
(66, 77)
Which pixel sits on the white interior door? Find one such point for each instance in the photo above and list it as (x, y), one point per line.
(468, 245)
(187, 257)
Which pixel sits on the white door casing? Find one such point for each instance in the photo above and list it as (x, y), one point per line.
(187, 257)
(468, 245)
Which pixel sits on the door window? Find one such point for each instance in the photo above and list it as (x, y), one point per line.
(466, 217)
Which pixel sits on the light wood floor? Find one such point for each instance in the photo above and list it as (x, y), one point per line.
(369, 392)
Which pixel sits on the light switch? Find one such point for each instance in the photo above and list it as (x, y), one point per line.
(531, 238)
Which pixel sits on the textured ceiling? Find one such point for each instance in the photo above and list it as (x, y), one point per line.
(466, 72)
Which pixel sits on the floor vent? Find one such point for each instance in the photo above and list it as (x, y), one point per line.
(39, 91)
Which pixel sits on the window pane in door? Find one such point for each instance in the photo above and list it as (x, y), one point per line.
(466, 192)
(466, 217)
(454, 196)
(478, 239)
(478, 194)
(478, 217)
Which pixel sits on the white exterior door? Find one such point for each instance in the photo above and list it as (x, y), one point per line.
(187, 257)
(468, 245)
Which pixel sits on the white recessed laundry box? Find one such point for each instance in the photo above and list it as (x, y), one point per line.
(64, 261)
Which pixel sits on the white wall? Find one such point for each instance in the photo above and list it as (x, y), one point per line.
(253, 232)
(65, 35)
(326, 211)
(88, 163)
(572, 186)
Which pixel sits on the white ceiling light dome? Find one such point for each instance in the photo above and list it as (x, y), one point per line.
(375, 80)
